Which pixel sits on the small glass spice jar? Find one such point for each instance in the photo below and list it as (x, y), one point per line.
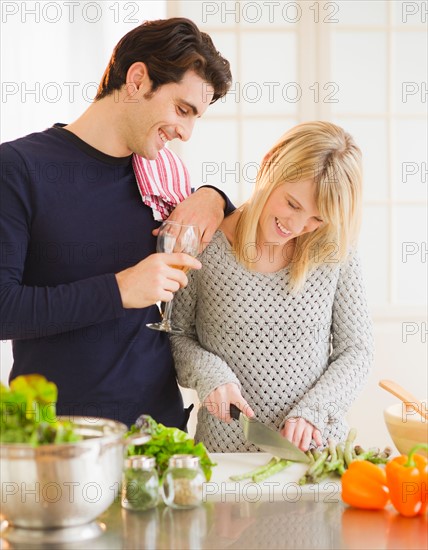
(140, 483)
(182, 482)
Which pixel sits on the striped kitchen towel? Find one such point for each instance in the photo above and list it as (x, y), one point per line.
(163, 182)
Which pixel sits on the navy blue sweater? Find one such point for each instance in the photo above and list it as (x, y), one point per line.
(71, 217)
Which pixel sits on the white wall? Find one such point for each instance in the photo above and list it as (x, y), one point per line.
(53, 55)
(401, 355)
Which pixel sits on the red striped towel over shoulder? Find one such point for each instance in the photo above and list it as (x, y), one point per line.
(163, 182)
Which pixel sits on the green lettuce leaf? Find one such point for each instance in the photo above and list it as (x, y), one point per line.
(28, 413)
(166, 442)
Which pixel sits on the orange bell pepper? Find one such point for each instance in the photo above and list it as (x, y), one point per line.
(407, 478)
(364, 486)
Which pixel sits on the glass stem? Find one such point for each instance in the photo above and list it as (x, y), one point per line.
(166, 317)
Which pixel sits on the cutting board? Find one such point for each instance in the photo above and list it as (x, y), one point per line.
(283, 486)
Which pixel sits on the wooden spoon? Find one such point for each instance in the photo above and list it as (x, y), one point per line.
(405, 396)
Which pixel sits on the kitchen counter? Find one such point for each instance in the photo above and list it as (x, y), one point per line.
(275, 514)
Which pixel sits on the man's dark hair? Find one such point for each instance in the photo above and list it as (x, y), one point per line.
(169, 48)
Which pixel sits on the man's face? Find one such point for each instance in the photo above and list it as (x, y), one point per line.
(168, 114)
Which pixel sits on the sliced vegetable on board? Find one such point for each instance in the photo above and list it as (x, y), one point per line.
(334, 459)
(274, 466)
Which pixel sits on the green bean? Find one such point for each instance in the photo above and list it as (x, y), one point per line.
(333, 459)
(310, 456)
(339, 450)
(347, 453)
(319, 461)
(332, 449)
(315, 453)
(318, 465)
(256, 471)
(274, 469)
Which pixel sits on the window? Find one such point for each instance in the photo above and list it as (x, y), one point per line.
(360, 64)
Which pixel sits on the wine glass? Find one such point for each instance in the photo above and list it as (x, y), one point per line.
(175, 237)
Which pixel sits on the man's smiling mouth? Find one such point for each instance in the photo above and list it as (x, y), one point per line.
(163, 136)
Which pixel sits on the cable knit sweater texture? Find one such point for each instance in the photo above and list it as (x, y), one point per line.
(303, 355)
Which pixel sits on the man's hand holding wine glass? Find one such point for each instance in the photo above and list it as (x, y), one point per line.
(175, 237)
(154, 279)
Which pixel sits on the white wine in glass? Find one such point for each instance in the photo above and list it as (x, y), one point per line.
(175, 237)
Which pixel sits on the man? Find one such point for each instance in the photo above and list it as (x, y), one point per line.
(78, 277)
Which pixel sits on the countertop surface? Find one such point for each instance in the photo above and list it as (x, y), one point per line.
(275, 514)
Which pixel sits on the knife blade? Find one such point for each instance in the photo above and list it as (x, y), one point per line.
(266, 438)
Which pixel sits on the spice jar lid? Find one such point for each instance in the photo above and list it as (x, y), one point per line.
(183, 461)
(142, 462)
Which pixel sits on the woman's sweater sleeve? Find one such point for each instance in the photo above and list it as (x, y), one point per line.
(351, 357)
(196, 367)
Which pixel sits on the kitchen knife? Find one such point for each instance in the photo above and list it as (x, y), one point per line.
(267, 439)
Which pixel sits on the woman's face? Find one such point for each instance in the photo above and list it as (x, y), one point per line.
(289, 212)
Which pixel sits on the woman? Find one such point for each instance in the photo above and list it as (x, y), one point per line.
(276, 320)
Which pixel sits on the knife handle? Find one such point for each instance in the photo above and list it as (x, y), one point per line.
(234, 411)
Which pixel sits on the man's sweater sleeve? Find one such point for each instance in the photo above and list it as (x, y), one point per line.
(229, 206)
(352, 353)
(196, 367)
(28, 311)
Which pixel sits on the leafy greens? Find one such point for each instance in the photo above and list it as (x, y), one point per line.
(28, 413)
(166, 442)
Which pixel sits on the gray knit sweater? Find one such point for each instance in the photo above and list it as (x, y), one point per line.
(304, 355)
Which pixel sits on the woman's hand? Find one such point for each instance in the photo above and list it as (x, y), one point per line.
(301, 432)
(218, 402)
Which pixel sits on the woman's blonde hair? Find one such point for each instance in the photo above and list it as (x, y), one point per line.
(328, 155)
